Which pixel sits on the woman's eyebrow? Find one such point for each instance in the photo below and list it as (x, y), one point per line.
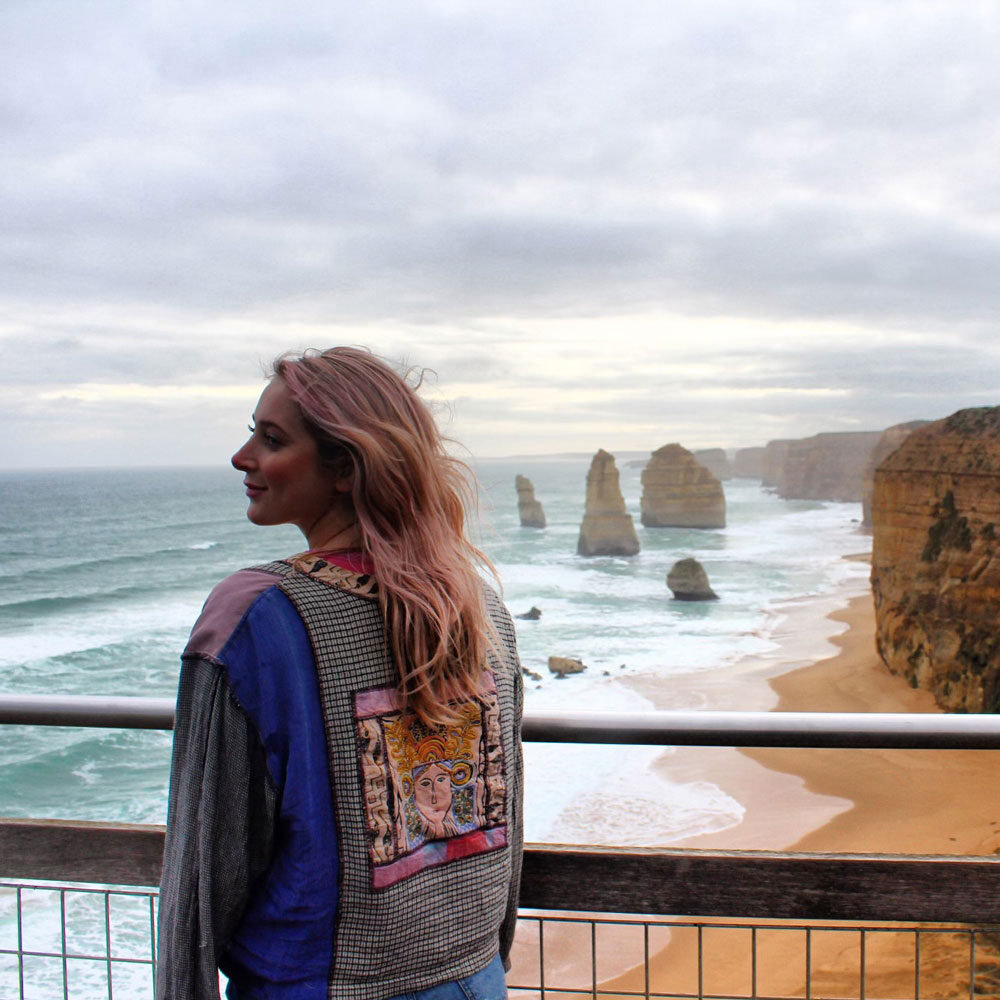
(267, 424)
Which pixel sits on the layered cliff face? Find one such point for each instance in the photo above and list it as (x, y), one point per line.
(679, 492)
(528, 508)
(748, 463)
(772, 463)
(607, 528)
(827, 466)
(935, 571)
(891, 439)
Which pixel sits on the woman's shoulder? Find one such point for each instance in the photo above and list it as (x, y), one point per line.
(226, 606)
(496, 607)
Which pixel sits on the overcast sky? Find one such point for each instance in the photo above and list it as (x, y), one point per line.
(612, 224)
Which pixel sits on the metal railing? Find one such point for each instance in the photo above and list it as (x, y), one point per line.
(735, 960)
(100, 951)
(734, 893)
(78, 940)
(884, 730)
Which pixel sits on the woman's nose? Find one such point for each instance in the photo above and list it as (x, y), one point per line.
(241, 459)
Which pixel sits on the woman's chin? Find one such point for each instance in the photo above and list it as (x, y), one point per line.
(257, 516)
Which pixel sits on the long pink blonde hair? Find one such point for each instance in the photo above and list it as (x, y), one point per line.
(411, 499)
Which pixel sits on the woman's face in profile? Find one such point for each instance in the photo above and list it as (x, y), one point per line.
(281, 469)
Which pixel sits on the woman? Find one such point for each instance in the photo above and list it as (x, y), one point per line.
(345, 795)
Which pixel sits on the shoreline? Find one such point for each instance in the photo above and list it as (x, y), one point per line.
(780, 807)
(902, 801)
(820, 800)
(897, 801)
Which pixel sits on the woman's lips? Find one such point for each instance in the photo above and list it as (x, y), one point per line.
(253, 490)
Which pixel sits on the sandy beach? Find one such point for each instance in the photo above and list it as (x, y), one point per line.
(885, 801)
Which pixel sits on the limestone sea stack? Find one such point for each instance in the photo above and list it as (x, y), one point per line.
(688, 581)
(607, 528)
(891, 439)
(679, 492)
(528, 508)
(935, 565)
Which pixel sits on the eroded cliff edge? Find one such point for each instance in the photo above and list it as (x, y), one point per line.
(827, 466)
(935, 572)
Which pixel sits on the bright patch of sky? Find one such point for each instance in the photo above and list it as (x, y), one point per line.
(602, 225)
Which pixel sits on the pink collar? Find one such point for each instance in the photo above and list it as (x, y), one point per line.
(353, 560)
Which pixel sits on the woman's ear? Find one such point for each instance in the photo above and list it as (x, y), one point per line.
(344, 484)
(342, 468)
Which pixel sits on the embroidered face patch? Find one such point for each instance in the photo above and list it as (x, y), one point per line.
(432, 795)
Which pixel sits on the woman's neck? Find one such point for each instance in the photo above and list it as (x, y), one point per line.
(335, 530)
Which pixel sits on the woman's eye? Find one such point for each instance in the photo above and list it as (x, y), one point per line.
(270, 441)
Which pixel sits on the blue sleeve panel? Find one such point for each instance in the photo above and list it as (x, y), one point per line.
(286, 933)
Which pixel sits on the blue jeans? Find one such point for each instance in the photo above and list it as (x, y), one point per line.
(488, 984)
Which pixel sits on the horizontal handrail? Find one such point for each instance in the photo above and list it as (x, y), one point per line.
(884, 730)
(888, 730)
(90, 711)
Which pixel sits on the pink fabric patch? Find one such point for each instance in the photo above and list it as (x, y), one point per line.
(223, 610)
(353, 560)
(379, 701)
(439, 852)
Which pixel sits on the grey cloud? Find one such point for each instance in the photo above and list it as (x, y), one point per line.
(441, 164)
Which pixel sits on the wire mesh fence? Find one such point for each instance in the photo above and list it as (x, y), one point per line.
(76, 941)
(86, 941)
(98, 942)
(563, 957)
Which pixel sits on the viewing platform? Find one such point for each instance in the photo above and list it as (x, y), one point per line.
(848, 923)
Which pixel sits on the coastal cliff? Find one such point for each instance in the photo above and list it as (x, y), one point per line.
(716, 461)
(748, 463)
(772, 462)
(827, 466)
(678, 491)
(935, 575)
(891, 439)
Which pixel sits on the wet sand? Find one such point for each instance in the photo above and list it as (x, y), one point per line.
(885, 801)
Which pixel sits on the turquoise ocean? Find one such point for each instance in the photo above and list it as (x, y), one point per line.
(103, 572)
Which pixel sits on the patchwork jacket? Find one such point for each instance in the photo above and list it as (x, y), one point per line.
(321, 842)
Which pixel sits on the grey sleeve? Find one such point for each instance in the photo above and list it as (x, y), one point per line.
(220, 832)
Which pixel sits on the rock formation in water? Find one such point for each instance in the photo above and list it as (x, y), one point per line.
(679, 492)
(563, 665)
(827, 466)
(607, 528)
(772, 468)
(891, 439)
(531, 615)
(688, 581)
(748, 463)
(935, 565)
(716, 461)
(529, 509)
